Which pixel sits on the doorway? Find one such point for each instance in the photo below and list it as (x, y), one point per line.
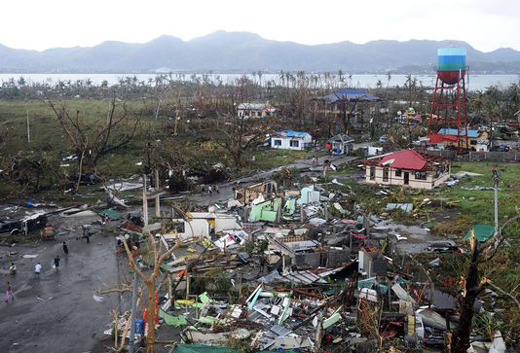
(406, 178)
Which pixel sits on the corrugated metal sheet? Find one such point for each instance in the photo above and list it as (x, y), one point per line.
(306, 277)
(405, 159)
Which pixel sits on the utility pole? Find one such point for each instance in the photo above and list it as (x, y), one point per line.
(28, 128)
(496, 179)
(158, 196)
(145, 202)
(132, 316)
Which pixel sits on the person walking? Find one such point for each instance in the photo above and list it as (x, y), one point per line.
(57, 262)
(9, 295)
(119, 246)
(217, 189)
(37, 270)
(210, 189)
(65, 248)
(86, 233)
(12, 269)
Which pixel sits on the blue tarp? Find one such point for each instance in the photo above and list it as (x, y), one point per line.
(292, 133)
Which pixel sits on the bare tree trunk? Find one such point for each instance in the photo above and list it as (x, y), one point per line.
(80, 170)
(150, 340)
(461, 337)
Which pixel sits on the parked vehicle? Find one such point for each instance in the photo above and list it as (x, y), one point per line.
(10, 227)
(29, 223)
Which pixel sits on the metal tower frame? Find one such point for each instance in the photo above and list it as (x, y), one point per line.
(449, 109)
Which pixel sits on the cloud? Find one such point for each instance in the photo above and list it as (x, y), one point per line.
(486, 25)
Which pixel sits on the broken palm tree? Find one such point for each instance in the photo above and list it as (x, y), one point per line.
(473, 284)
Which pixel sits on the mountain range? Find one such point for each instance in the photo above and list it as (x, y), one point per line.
(244, 52)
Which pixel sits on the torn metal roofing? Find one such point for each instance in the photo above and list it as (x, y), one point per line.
(306, 277)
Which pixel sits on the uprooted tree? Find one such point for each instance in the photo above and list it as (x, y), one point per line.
(92, 141)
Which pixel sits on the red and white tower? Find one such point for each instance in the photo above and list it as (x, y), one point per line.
(448, 115)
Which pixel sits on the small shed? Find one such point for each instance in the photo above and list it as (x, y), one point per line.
(341, 144)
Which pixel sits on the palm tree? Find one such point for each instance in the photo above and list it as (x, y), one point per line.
(478, 104)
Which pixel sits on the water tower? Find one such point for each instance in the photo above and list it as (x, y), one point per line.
(448, 115)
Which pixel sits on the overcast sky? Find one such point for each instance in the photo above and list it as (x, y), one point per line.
(42, 24)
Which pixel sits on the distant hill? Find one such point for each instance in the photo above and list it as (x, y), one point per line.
(247, 52)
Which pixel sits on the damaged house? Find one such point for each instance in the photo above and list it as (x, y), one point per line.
(246, 194)
(255, 110)
(291, 140)
(340, 144)
(450, 138)
(407, 168)
(202, 225)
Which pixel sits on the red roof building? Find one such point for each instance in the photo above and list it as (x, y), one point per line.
(408, 168)
(438, 139)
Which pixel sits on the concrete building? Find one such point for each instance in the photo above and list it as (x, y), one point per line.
(449, 138)
(291, 140)
(255, 110)
(201, 225)
(407, 168)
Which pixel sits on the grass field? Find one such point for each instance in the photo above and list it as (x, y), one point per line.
(478, 205)
(469, 206)
(47, 136)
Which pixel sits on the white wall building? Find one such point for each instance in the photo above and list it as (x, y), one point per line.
(202, 225)
(407, 168)
(255, 110)
(291, 140)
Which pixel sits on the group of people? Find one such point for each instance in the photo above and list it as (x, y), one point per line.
(38, 268)
(211, 189)
(105, 219)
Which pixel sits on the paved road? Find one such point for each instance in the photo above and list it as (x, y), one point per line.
(226, 189)
(57, 313)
